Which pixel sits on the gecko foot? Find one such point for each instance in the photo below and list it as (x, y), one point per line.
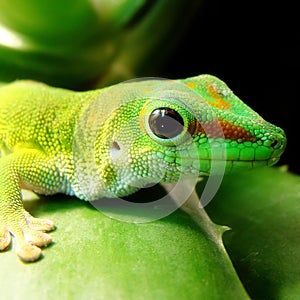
(29, 235)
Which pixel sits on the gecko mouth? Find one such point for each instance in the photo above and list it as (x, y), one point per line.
(207, 167)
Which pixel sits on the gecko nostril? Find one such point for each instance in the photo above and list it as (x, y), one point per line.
(274, 143)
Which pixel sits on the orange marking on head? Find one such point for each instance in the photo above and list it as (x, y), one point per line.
(146, 90)
(234, 132)
(222, 129)
(191, 85)
(219, 102)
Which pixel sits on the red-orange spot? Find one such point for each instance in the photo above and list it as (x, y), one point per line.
(222, 129)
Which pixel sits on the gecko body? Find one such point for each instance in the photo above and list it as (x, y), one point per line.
(111, 142)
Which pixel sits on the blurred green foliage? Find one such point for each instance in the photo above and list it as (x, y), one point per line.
(81, 44)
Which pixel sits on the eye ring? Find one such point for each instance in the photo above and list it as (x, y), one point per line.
(165, 123)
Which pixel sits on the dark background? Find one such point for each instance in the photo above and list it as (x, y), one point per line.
(254, 48)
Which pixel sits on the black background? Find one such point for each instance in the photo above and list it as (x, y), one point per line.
(254, 48)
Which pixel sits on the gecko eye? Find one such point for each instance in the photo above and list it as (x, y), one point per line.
(166, 123)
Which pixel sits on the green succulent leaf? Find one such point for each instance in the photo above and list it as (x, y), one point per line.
(96, 257)
(263, 209)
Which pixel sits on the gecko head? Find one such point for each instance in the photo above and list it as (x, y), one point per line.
(201, 125)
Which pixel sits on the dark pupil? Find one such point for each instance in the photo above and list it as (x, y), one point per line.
(165, 122)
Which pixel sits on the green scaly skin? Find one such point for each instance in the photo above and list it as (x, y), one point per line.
(113, 141)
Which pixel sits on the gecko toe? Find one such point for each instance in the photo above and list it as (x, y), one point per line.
(29, 253)
(5, 238)
(39, 224)
(37, 238)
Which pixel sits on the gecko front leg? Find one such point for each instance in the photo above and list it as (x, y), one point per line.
(23, 169)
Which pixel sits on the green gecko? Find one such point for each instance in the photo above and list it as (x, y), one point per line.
(111, 142)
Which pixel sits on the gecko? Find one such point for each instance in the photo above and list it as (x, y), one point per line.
(112, 141)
